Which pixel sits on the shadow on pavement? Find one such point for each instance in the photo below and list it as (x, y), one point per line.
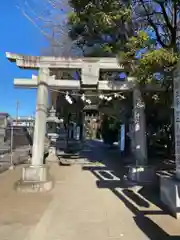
(111, 176)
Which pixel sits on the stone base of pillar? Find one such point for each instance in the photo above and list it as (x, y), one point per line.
(35, 179)
(170, 194)
(142, 174)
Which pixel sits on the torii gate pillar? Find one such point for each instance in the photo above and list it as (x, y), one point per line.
(40, 119)
(36, 175)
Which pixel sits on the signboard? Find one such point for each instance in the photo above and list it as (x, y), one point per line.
(90, 73)
(177, 118)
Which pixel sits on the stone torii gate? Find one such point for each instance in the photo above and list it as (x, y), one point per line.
(37, 172)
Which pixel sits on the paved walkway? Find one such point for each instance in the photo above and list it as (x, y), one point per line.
(89, 202)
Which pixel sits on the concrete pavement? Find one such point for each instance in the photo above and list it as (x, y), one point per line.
(88, 202)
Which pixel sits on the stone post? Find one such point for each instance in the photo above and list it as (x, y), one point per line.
(177, 120)
(35, 177)
(140, 172)
(139, 128)
(82, 132)
(170, 185)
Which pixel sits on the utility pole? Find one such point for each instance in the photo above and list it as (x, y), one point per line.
(17, 111)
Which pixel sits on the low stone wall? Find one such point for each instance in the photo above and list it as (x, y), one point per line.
(20, 156)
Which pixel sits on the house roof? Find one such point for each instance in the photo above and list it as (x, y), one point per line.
(4, 114)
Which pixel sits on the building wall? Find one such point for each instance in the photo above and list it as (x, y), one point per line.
(3, 126)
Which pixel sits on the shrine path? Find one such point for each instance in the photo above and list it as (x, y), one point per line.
(90, 201)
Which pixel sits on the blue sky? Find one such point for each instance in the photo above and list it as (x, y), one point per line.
(18, 35)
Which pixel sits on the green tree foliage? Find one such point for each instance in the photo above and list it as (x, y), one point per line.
(145, 59)
(162, 19)
(100, 28)
(105, 28)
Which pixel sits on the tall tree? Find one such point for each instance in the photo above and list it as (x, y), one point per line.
(100, 28)
(161, 20)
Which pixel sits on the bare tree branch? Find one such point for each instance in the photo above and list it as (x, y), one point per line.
(154, 26)
(50, 17)
(166, 18)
